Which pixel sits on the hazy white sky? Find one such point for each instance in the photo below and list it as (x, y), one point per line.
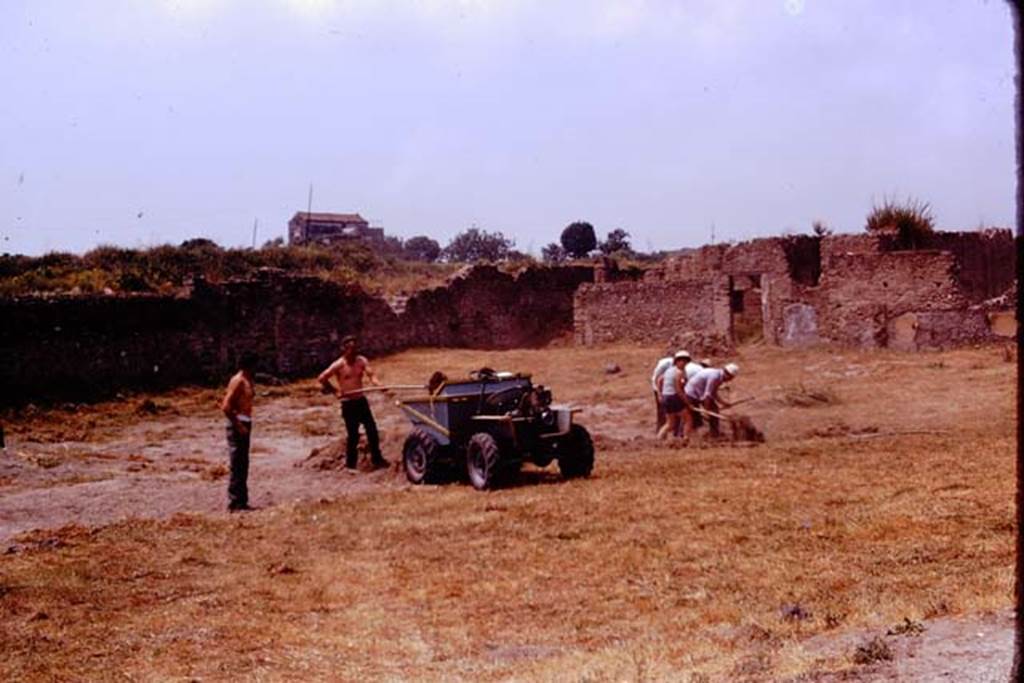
(137, 122)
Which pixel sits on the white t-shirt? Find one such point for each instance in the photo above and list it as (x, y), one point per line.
(692, 368)
(659, 370)
(705, 384)
(668, 385)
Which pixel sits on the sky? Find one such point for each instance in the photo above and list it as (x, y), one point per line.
(142, 122)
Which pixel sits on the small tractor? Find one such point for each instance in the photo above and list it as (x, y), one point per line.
(488, 426)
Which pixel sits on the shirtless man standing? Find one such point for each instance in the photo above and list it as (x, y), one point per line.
(237, 407)
(348, 373)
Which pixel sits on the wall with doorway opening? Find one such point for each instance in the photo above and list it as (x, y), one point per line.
(850, 290)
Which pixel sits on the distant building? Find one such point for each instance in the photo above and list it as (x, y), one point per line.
(329, 228)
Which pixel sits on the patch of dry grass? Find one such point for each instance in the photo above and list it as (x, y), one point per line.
(800, 396)
(90, 422)
(669, 564)
(319, 423)
(873, 650)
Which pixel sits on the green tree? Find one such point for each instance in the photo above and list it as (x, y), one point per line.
(478, 245)
(391, 246)
(578, 239)
(422, 248)
(553, 253)
(617, 241)
(199, 243)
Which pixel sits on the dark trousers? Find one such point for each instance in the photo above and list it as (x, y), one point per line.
(696, 419)
(357, 412)
(238, 454)
(669, 405)
(712, 405)
(660, 419)
(695, 406)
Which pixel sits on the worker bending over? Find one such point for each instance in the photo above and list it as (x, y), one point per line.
(701, 395)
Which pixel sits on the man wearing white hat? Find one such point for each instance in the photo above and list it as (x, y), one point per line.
(670, 390)
(702, 394)
(695, 366)
(659, 370)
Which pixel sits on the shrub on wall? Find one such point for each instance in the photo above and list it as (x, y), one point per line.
(553, 253)
(616, 243)
(909, 223)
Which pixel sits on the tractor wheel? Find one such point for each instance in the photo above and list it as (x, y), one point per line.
(419, 455)
(483, 461)
(576, 457)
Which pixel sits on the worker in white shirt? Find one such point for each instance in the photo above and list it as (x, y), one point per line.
(670, 390)
(659, 369)
(701, 395)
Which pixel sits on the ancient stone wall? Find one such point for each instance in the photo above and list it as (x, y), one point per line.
(861, 293)
(483, 307)
(745, 270)
(985, 265)
(833, 246)
(76, 348)
(651, 311)
(696, 263)
(870, 296)
(984, 259)
(797, 256)
(62, 347)
(851, 290)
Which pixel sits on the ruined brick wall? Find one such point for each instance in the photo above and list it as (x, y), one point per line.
(65, 347)
(846, 245)
(697, 263)
(984, 259)
(900, 279)
(755, 256)
(90, 347)
(869, 297)
(861, 293)
(851, 290)
(651, 311)
(761, 276)
(483, 307)
(78, 348)
(796, 256)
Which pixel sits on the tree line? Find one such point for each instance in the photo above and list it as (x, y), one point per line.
(577, 240)
(394, 263)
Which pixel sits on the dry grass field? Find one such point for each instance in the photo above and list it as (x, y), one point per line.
(883, 496)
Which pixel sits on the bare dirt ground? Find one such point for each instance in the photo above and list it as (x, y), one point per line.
(98, 464)
(881, 502)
